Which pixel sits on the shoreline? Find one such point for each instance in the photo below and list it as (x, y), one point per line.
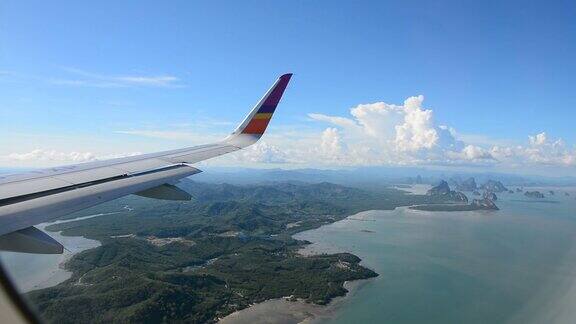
(53, 265)
(284, 311)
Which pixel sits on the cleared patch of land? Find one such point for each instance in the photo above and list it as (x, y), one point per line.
(201, 260)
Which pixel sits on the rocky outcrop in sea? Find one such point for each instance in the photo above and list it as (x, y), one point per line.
(490, 195)
(484, 203)
(534, 194)
(443, 190)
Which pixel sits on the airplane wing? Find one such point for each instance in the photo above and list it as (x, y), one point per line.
(41, 196)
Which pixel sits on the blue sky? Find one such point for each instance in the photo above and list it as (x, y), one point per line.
(117, 77)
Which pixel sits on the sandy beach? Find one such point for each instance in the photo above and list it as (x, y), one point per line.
(284, 311)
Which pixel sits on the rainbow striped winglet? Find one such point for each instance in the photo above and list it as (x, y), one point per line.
(257, 120)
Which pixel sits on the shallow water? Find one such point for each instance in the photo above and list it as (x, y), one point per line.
(514, 265)
(37, 271)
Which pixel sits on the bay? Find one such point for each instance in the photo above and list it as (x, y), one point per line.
(515, 265)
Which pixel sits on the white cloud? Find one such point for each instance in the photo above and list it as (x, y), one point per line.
(471, 153)
(543, 150)
(80, 78)
(52, 155)
(331, 143)
(339, 121)
(41, 155)
(372, 134)
(381, 133)
(417, 131)
(156, 81)
(261, 152)
(83, 78)
(538, 139)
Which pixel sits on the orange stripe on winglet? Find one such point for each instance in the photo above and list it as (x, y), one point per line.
(256, 126)
(263, 116)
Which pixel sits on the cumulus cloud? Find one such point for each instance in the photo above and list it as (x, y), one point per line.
(538, 139)
(331, 143)
(417, 130)
(471, 153)
(381, 133)
(540, 150)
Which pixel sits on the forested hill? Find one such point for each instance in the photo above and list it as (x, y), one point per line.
(195, 261)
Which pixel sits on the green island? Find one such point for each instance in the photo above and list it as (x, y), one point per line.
(200, 260)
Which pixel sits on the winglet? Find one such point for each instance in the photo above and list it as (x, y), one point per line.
(257, 120)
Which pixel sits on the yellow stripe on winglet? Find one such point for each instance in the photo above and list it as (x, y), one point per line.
(263, 116)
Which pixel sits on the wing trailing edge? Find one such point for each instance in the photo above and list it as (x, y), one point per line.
(165, 192)
(30, 240)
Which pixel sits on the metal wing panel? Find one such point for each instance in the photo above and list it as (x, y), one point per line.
(45, 208)
(129, 164)
(141, 165)
(14, 189)
(194, 156)
(53, 178)
(89, 175)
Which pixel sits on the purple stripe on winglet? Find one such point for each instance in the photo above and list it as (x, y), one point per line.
(276, 94)
(267, 109)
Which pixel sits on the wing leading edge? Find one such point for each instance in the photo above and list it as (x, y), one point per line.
(41, 196)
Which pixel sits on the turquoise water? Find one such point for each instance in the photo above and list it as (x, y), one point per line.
(516, 265)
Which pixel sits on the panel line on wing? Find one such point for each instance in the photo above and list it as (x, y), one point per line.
(21, 198)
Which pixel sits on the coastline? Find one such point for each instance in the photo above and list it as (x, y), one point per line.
(285, 311)
(53, 265)
(426, 248)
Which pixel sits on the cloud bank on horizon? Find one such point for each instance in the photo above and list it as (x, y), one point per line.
(375, 134)
(405, 135)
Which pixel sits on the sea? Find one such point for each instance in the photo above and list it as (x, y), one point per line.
(514, 265)
(36, 271)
